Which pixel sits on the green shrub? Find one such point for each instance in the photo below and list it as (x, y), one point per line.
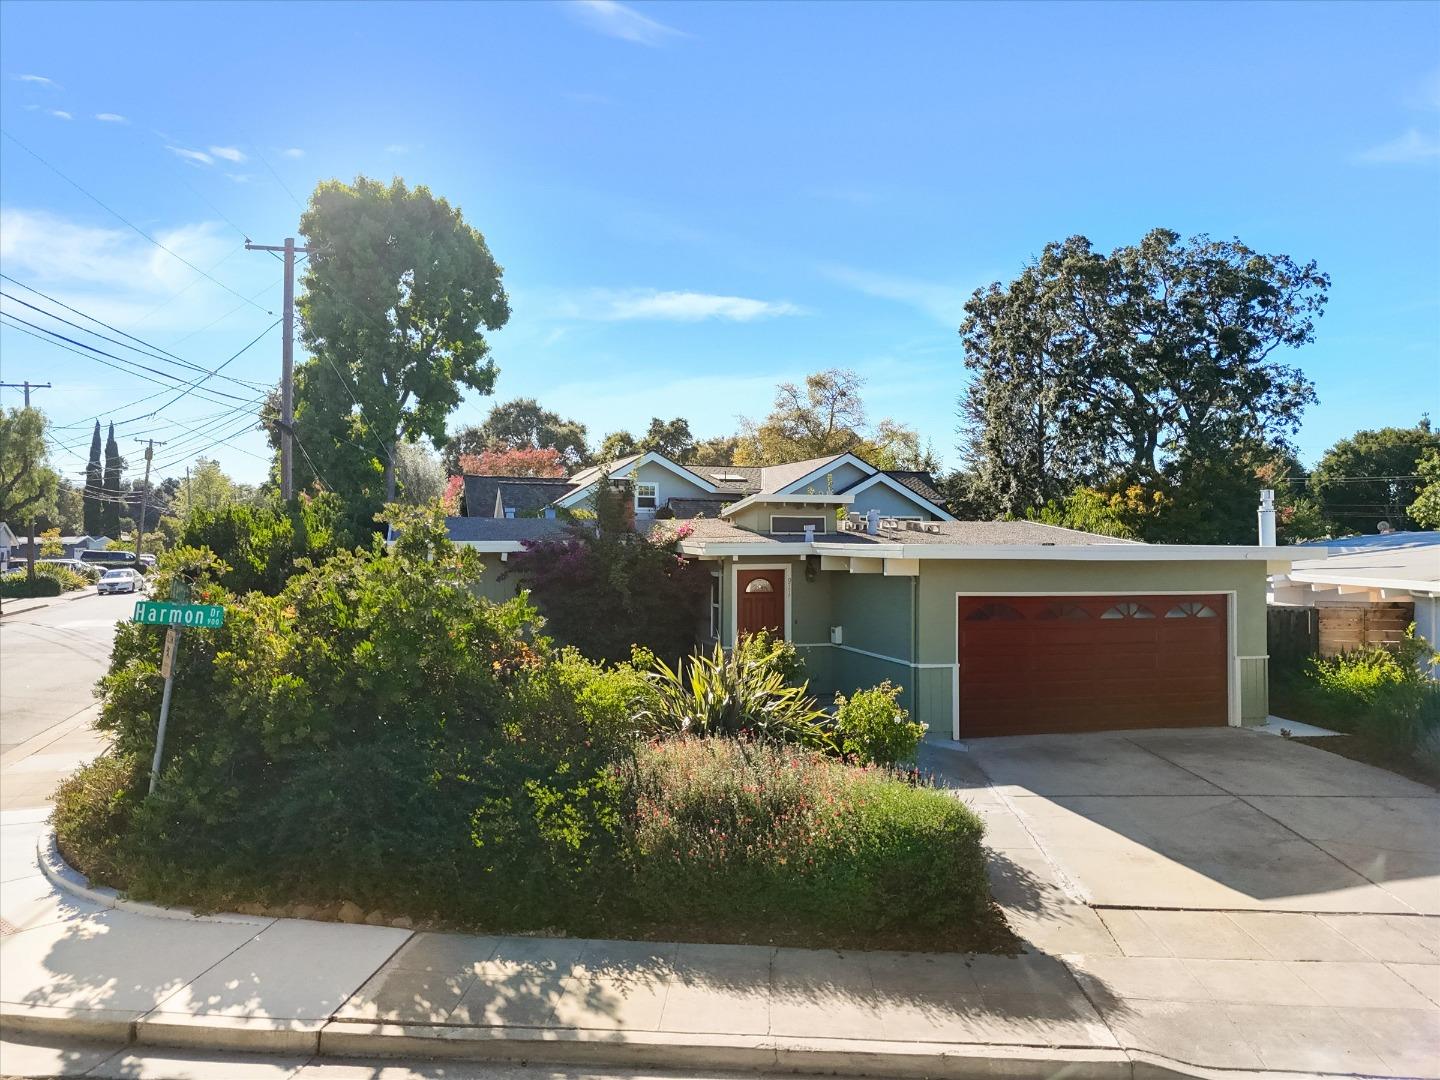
(742, 693)
(17, 585)
(773, 653)
(734, 834)
(93, 811)
(872, 728)
(261, 544)
(1382, 695)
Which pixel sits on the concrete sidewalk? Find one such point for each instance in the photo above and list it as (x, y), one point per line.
(1165, 992)
(35, 603)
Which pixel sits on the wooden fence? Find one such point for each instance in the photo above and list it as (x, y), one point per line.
(1295, 633)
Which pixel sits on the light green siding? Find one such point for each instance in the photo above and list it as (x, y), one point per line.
(490, 585)
(756, 518)
(837, 479)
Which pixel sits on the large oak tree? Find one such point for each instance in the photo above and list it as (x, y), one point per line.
(1153, 365)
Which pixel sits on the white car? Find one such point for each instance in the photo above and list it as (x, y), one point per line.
(118, 581)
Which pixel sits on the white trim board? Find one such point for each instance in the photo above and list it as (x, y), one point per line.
(901, 489)
(623, 472)
(732, 617)
(834, 463)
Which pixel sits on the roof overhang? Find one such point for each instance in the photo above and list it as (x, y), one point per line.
(895, 485)
(1035, 552)
(1419, 587)
(770, 498)
(650, 456)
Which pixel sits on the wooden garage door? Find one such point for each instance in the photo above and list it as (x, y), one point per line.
(1047, 664)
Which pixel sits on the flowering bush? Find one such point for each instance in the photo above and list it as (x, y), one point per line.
(733, 834)
(873, 729)
(605, 588)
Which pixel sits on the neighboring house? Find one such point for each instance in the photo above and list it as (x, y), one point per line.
(1365, 590)
(8, 540)
(661, 488)
(990, 628)
(72, 546)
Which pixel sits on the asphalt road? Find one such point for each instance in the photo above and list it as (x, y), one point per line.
(50, 659)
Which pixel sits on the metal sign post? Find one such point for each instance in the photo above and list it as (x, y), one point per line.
(174, 614)
(167, 668)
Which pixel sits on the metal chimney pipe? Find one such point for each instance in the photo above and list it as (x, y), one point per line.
(1266, 517)
(872, 522)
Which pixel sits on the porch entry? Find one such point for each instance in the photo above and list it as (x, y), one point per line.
(761, 601)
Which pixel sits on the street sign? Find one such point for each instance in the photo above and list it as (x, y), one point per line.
(164, 613)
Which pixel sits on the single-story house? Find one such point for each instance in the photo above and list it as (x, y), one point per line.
(1365, 590)
(990, 627)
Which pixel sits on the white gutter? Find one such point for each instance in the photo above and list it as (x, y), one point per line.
(1058, 553)
(1325, 577)
(770, 498)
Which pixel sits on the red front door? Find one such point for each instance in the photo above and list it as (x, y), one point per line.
(761, 601)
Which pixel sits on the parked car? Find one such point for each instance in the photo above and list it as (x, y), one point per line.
(121, 581)
(147, 561)
(84, 569)
(109, 557)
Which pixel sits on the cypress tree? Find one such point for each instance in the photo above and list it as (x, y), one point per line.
(114, 464)
(94, 508)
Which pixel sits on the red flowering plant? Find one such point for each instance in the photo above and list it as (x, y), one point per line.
(605, 588)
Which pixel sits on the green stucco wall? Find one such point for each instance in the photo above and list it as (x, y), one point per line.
(491, 587)
(909, 622)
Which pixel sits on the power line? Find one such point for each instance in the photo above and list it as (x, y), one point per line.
(115, 213)
(161, 355)
(243, 349)
(112, 356)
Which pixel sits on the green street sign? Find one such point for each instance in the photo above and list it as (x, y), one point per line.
(163, 613)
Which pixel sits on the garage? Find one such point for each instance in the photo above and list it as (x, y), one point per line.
(1032, 665)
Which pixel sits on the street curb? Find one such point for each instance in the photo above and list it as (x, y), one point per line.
(67, 879)
(48, 601)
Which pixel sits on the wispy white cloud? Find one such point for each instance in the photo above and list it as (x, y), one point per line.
(60, 114)
(654, 305)
(292, 152)
(240, 178)
(194, 157)
(38, 80)
(228, 153)
(112, 273)
(943, 302)
(111, 118)
(1411, 148)
(398, 148)
(618, 20)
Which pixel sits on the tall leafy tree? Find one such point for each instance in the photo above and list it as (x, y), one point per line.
(824, 416)
(398, 293)
(27, 483)
(94, 487)
(1373, 476)
(114, 470)
(1155, 364)
(669, 437)
(522, 462)
(521, 425)
(1425, 510)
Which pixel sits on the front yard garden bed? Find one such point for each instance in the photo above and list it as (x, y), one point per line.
(375, 735)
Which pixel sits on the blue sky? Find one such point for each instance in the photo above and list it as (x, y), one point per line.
(694, 201)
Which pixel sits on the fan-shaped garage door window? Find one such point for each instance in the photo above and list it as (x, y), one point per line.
(992, 612)
(1191, 609)
(1128, 610)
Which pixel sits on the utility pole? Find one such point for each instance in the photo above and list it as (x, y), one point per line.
(27, 386)
(287, 363)
(150, 445)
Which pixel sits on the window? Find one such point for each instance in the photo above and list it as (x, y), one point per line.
(1128, 610)
(1064, 611)
(647, 496)
(715, 606)
(796, 523)
(759, 585)
(987, 612)
(1191, 609)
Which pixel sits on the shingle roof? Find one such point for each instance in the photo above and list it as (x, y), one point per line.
(594, 472)
(480, 492)
(986, 533)
(775, 477)
(697, 507)
(532, 493)
(918, 481)
(479, 528)
(748, 476)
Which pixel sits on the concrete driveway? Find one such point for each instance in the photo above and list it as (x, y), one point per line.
(1208, 819)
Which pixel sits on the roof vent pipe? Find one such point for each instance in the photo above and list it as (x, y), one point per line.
(509, 511)
(550, 512)
(809, 534)
(1267, 517)
(872, 522)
